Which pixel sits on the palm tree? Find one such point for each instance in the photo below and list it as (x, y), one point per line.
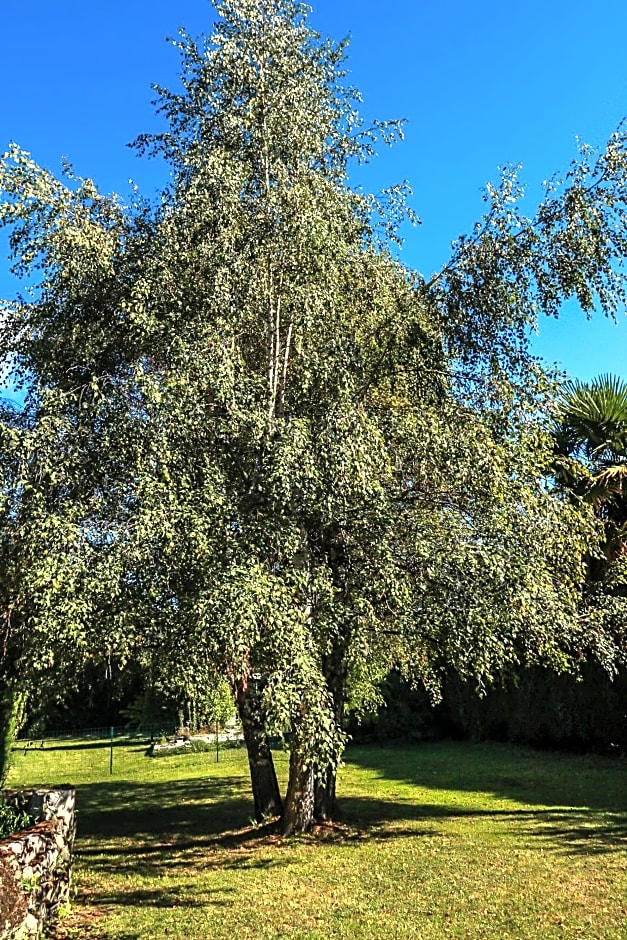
(591, 452)
(594, 418)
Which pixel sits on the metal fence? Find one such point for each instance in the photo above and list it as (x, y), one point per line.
(89, 753)
(149, 732)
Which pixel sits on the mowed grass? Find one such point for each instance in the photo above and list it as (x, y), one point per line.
(434, 841)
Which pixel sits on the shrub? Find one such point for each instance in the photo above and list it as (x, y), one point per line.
(577, 713)
(13, 818)
(189, 747)
(405, 714)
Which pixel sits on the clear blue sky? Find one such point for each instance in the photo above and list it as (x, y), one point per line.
(480, 84)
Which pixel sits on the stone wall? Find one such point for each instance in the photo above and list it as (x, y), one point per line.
(35, 865)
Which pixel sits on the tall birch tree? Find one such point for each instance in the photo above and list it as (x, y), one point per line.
(265, 445)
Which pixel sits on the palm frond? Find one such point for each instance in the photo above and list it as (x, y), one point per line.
(593, 418)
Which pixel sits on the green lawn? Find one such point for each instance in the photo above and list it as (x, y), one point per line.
(434, 841)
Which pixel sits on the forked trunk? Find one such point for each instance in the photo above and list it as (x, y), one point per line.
(266, 793)
(298, 815)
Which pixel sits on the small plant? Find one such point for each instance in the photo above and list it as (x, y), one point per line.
(13, 818)
(265, 820)
(31, 883)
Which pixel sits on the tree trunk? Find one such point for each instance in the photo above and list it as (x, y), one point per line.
(11, 711)
(334, 669)
(324, 804)
(266, 793)
(298, 815)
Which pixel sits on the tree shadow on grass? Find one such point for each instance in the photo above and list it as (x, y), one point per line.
(565, 829)
(146, 829)
(582, 834)
(521, 774)
(115, 809)
(166, 898)
(581, 801)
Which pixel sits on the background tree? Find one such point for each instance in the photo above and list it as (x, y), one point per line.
(591, 451)
(591, 465)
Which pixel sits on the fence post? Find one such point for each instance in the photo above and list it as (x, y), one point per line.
(111, 752)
